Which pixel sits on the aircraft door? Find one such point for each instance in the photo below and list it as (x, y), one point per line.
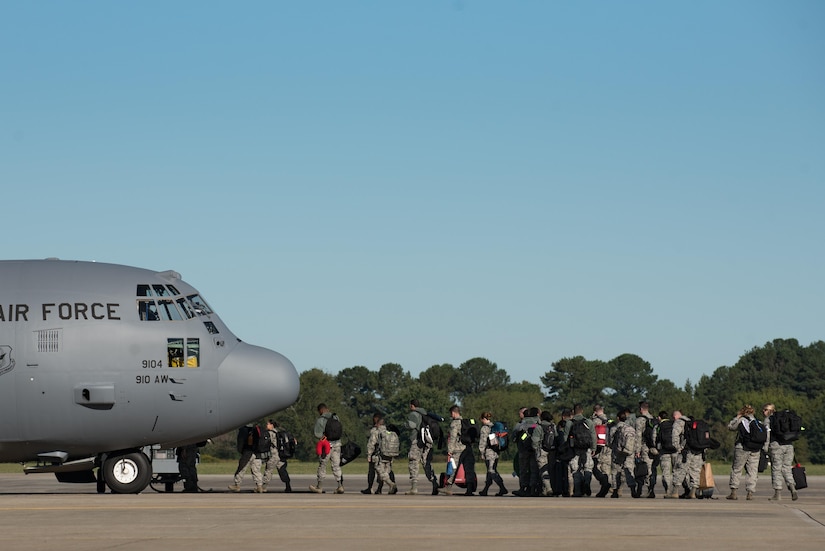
(8, 395)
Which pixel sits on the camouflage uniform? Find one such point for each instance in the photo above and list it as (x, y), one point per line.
(782, 456)
(689, 464)
(490, 459)
(623, 466)
(581, 466)
(602, 461)
(275, 463)
(643, 454)
(454, 446)
(742, 458)
(669, 461)
(420, 452)
(247, 444)
(383, 464)
(333, 458)
(544, 459)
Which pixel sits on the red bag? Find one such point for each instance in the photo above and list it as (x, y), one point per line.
(460, 477)
(322, 448)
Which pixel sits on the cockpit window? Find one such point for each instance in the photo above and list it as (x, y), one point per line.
(172, 308)
(186, 307)
(200, 306)
(148, 310)
(161, 291)
(168, 311)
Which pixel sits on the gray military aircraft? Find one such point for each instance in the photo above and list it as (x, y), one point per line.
(98, 361)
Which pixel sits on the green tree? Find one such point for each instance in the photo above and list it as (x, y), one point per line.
(440, 376)
(358, 387)
(632, 380)
(576, 380)
(478, 375)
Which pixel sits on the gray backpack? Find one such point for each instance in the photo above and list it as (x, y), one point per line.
(389, 444)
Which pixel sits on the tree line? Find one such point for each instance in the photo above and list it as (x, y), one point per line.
(781, 371)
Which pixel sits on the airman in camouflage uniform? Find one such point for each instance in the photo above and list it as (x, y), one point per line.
(334, 456)
(544, 459)
(624, 462)
(275, 462)
(383, 464)
(581, 466)
(689, 464)
(454, 447)
(781, 459)
(668, 460)
(420, 452)
(602, 461)
(643, 451)
(490, 455)
(742, 458)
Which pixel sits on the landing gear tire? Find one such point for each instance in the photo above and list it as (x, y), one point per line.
(129, 473)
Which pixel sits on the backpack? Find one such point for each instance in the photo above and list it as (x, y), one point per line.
(564, 451)
(333, 430)
(349, 452)
(753, 439)
(430, 431)
(548, 438)
(498, 437)
(697, 435)
(264, 450)
(649, 432)
(601, 435)
(389, 444)
(624, 442)
(664, 436)
(524, 438)
(469, 432)
(285, 444)
(579, 435)
(786, 425)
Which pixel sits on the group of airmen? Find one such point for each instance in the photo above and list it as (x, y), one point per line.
(561, 458)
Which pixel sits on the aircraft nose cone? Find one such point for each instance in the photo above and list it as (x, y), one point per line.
(254, 382)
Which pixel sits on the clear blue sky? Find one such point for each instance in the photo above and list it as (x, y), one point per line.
(356, 183)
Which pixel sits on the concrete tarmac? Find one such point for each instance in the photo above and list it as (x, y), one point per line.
(37, 512)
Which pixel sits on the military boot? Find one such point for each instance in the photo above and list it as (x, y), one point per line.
(578, 481)
(749, 497)
(794, 495)
(413, 489)
(487, 483)
(776, 496)
(732, 495)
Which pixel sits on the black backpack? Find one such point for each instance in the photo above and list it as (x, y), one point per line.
(333, 430)
(264, 450)
(697, 435)
(786, 426)
(649, 432)
(524, 438)
(754, 438)
(548, 437)
(469, 432)
(430, 431)
(580, 436)
(665, 436)
(564, 451)
(285, 444)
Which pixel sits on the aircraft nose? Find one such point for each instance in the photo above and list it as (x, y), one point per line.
(254, 382)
